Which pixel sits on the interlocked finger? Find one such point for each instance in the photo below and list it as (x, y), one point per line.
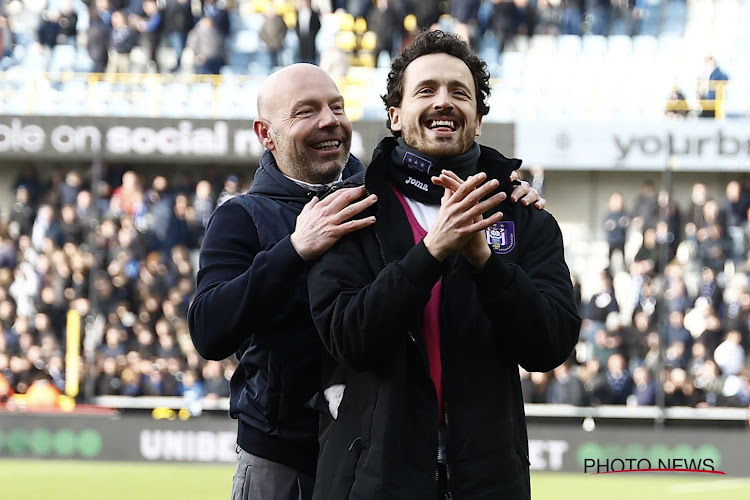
(468, 187)
(483, 224)
(477, 194)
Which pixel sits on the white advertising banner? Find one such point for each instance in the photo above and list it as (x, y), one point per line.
(698, 145)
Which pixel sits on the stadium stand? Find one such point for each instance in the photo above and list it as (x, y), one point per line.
(129, 272)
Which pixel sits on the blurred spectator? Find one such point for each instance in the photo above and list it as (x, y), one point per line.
(711, 237)
(601, 304)
(122, 40)
(565, 388)
(46, 226)
(22, 213)
(28, 177)
(736, 391)
(307, 27)
(677, 106)
(203, 202)
(709, 381)
(215, 382)
(207, 44)
(679, 390)
(505, 21)
(734, 209)
(384, 20)
(273, 32)
(98, 39)
(427, 14)
(7, 58)
(108, 382)
(594, 381)
(644, 389)
(160, 203)
(710, 289)
(572, 17)
(193, 392)
(535, 390)
(711, 87)
(178, 21)
(150, 27)
(615, 227)
(231, 189)
(550, 15)
(598, 16)
(58, 25)
(730, 355)
(645, 213)
(218, 13)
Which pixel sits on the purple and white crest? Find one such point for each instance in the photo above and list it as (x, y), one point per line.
(501, 236)
(417, 163)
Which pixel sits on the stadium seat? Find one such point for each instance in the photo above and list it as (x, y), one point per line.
(644, 46)
(594, 45)
(568, 45)
(619, 46)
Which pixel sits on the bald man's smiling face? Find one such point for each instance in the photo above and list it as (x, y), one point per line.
(303, 123)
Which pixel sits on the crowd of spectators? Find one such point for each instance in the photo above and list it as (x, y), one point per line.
(112, 29)
(670, 314)
(121, 253)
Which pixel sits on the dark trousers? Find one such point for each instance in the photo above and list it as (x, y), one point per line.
(259, 479)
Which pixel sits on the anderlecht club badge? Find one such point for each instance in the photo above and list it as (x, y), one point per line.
(501, 236)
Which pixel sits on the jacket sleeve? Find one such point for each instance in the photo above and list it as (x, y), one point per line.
(360, 315)
(543, 336)
(241, 288)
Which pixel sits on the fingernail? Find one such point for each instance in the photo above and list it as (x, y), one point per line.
(513, 199)
(373, 197)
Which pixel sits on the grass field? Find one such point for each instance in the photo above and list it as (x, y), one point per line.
(57, 480)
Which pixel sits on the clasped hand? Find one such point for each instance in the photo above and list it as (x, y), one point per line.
(459, 225)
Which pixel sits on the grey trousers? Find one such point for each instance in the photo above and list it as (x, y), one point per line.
(259, 479)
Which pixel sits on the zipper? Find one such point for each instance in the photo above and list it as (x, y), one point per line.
(377, 238)
(444, 436)
(440, 458)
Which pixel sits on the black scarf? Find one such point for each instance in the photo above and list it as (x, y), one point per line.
(411, 170)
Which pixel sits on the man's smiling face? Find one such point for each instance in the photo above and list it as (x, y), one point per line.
(438, 111)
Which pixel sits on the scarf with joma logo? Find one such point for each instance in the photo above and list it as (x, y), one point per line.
(411, 171)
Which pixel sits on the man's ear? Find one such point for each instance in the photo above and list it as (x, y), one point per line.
(262, 130)
(394, 114)
(479, 126)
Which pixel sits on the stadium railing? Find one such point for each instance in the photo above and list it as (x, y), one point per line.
(532, 409)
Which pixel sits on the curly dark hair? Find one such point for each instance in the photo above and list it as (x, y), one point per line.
(436, 42)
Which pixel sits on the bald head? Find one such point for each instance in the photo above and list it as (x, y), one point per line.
(279, 86)
(302, 123)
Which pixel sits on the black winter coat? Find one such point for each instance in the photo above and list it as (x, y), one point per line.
(367, 296)
(252, 300)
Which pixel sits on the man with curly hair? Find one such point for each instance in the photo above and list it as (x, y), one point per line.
(429, 311)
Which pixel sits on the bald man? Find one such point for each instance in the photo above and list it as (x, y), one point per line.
(252, 298)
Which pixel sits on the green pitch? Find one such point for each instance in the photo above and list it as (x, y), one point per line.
(58, 480)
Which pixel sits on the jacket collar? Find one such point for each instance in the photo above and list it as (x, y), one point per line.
(493, 162)
(269, 180)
